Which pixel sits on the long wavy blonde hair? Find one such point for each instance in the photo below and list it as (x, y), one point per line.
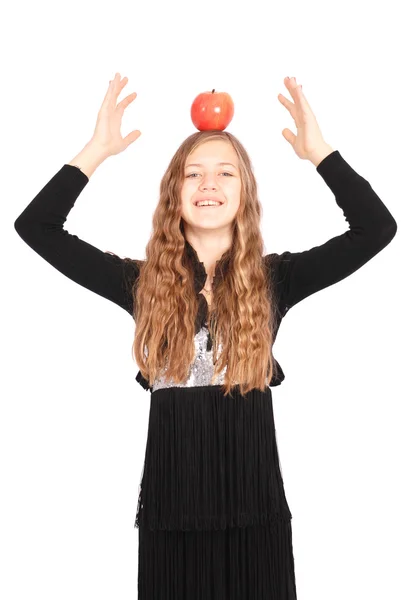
(242, 315)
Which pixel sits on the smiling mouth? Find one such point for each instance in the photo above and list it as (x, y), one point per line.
(216, 203)
(209, 206)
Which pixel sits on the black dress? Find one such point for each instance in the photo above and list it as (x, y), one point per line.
(212, 514)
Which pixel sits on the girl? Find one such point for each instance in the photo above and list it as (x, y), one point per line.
(213, 519)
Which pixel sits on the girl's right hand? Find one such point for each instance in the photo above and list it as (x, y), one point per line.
(107, 134)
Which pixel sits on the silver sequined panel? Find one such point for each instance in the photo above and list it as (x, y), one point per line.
(201, 370)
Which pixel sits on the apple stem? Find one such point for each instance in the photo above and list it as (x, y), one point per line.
(212, 91)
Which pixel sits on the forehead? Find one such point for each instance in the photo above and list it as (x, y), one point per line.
(213, 153)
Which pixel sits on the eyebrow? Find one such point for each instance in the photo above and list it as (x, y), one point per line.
(220, 164)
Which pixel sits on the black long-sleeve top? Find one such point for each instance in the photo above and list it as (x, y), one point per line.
(297, 275)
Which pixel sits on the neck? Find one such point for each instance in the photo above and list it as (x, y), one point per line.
(209, 254)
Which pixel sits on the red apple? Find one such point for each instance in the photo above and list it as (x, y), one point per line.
(211, 110)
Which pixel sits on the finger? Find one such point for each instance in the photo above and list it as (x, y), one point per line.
(289, 136)
(110, 89)
(114, 81)
(131, 137)
(124, 103)
(291, 85)
(288, 105)
(118, 85)
(303, 101)
(115, 86)
(295, 90)
(297, 94)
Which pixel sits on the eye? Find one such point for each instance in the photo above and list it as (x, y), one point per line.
(225, 173)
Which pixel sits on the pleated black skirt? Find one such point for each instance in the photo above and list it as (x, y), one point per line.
(212, 514)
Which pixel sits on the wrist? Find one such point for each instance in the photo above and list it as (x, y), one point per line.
(97, 151)
(320, 154)
(89, 159)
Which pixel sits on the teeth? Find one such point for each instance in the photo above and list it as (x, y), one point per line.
(208, 203)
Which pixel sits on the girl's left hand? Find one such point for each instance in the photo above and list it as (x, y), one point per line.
(309, 138)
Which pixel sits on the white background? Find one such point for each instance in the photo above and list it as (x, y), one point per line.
(73, 419)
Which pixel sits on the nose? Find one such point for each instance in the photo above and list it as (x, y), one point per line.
(209, 181)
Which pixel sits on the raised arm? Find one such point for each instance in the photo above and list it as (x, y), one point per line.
(371, 225)
(41, 224)
(371, 228)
